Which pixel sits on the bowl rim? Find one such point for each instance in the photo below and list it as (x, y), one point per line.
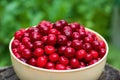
(72, 70)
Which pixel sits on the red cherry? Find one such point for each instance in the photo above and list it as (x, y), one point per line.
(21, 48)
(102, 52)
(54, 57)
(53, 31)
(61, 50)
(69, 52)
(102, 44)
(26, 54)
(69, 43)
(50, 65)
(32, 61)
(81, 54)
(41, 61)
(63, 22)
(44, 39)
(38, 44)
(14, 50)
(74, 63)
(63, 60)
(17, 55)
(29, 45)
(67, 31)
(34, 36)
(88, 57)
(94, 53)
(60, 67)
(38, 52)
(44, 30)
(49, 49)
(96, 45)
(62, 40)
(76, 44)
(18, 34)
(15, 43)
(88, 39)
(75, 35)
(93, 61)
(25, 40)
(58, 25)
(87, 47)
(51, 39)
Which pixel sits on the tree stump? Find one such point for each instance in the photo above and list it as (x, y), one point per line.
(7, 73)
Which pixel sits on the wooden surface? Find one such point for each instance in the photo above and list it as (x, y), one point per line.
(7, 73)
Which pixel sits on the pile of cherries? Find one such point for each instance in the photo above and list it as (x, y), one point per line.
(58, 46)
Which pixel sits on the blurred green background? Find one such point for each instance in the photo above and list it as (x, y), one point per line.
(102, 16)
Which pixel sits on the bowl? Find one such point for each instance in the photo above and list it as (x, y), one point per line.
(27, 72)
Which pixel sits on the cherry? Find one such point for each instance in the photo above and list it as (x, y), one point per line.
(63, 22)
(53, 31)
(69, 52)
(38, 52)
(26, 34)
(41, 61)
(61, 50)
(54, 57)
(96, 45)
(46, 23)
(18, 34)
(51, 39)
(88, 58)
(14, 50)
(15, 43)
(94, 53)
(87, 47)
(32, 61)
(69, 43)
(38, 44)
(44, 30)
(21, 48)
(63, 60)
(74, 26)
(76, 44)
(26, 54)
(17, 55)
(49, 49)
(29, 45)
(102, 52)
(62, 40)
(67, 31)
(25, 40)
(74, 63)
(58, 25)
(50, 65)
(75, 35)
(81, 54)
(60, 67)
(34, 36)
(102, 44)
(93, 61)
(88, 39)
(44, 39)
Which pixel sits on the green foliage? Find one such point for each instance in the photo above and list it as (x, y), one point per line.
(16, 14)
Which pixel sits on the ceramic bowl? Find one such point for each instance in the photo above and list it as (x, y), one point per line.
(27, 72)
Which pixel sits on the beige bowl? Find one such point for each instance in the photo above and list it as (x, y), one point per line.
(27, 72)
